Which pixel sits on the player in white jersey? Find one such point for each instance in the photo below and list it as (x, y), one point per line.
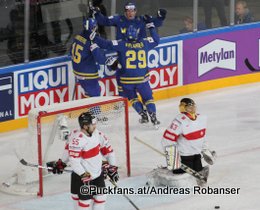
(185, 138)
(86, 149)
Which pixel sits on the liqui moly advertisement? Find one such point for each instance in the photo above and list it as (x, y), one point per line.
(41, 86)
(165, 63)
(219, 55)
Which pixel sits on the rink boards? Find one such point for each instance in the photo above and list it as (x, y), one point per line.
(180, 65)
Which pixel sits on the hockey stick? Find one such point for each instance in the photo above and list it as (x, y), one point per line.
(249, 66)
(25, 163)
(130, 201)
(183, 167)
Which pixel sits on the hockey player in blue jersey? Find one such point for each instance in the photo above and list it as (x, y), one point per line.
(86, 57)
(122, 22)
(134, 76)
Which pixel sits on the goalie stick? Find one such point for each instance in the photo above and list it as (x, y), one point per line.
(185, 168)
(249, 66)
(25, 163)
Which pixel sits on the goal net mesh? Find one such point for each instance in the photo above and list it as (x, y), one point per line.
(44, 143)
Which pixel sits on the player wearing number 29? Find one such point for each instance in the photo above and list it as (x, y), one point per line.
(186, 136)
(134, 75)
(85, 150)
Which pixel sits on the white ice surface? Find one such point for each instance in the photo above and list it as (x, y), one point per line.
(233, 131)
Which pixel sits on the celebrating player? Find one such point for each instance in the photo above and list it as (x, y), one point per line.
(186, 137)
(86, 149)
(86, 58)
(134, 75)
(122, 22)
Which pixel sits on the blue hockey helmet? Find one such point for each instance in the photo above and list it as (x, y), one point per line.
(132, 33)
(130, 6)
(90, 24)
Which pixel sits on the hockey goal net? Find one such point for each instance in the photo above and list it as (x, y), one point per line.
(45, 143)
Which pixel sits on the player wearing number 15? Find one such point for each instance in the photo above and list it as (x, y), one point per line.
(134, 75)
(85, 57)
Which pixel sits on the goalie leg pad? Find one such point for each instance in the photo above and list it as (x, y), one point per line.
(173, 159)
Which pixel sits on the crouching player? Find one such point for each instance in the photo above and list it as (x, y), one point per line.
(184, 141)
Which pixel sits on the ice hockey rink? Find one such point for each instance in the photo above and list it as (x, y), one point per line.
(233, 132)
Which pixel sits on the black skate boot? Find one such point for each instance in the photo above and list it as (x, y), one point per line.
(144, 117)
(154, 120)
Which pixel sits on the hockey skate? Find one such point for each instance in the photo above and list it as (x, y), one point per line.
(154, 120)
(144, 117)
(204, 172)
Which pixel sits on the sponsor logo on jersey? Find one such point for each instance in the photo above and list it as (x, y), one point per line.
(217, 54)
(7, 97)
(42, 87)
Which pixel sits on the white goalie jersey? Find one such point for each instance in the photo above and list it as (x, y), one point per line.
(189, 135)
(85, 153)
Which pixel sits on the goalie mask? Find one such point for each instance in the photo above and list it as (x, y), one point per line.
(187, 105)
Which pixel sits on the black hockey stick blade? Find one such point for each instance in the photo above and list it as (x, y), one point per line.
(25, 163)
(249, 66)
(22, 161)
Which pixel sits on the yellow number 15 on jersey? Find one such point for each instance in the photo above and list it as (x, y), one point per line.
(76, 52)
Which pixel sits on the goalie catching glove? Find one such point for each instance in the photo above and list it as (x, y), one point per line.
(209, 156)
(56, 167)
(110, 171)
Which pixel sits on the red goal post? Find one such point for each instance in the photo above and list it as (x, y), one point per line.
(44, 144)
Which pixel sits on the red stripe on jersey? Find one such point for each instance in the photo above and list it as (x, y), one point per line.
(97, 201)
(67, 147)
(83, 204)
(90, 153)
(170, 136)
(106, 150)
(195, 135)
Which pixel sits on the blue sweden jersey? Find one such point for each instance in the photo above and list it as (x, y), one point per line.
(122, 23)
(132, 56)
(85, 57)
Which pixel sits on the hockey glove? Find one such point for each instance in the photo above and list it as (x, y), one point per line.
(150, 25)
(162, 13)
(105, 167)
(209, 156)
(64, 133)
(94, 10)
(86, 177)
(56, 167)
(147, 18)
(113, 173)
(113, 63)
